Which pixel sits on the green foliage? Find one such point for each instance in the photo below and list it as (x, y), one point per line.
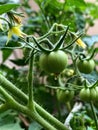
(49, 23)
(7, 7)
(6, 54)
(8, 121)
(35, 126)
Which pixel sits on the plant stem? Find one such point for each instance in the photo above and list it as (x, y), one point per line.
(50, 118)
(3, 108)
(94, 115)
(13, 89)
(34, 115)
(30, 83)
(68, 106)
(20, 95)
(58, 109)
(18, 107)
(42, 121)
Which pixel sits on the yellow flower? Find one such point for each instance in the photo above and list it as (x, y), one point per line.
(81, 43)
(15, 30)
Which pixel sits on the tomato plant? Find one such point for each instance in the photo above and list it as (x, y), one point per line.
(50, 76)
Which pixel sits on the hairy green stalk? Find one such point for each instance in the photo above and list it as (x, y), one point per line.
(19, 94)
(30, 83)
(13, 104)
(94, 115)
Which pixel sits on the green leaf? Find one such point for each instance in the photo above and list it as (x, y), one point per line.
(35, 126)
(90, 40)
(45, 3)
(6, 118)
(12, 126)
(6, 54)
(8, 121)
(3, 40)
(7, 7)
(91, 9)
(89, 128)
(19, 62)
(75, 3)
(92, 77)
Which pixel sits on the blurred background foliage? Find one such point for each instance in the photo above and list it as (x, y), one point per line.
(80, 16)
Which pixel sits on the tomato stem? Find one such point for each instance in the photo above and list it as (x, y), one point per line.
(61, 40)
(3, 107)
(68, 106)
(40, 47)
(92, 54)
(94, 114)
(24, 99)
(30, 83)
(13, 104)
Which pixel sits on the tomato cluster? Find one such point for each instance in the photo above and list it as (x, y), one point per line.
(89, 94)
(86, 66)
(64, 95)
(53, 62)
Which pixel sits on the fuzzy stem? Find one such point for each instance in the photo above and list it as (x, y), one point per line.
(30, 83)
(7, 97)
(19, 94)
(3, 108)
(34, 115)
(50, 118)
(94, 115)
(18, 107)
(68, 106)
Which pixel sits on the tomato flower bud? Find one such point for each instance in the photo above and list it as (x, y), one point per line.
(81, 43)
(15, 30)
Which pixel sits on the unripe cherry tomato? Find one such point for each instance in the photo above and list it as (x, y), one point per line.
(96, 89)
(53, 62)
(86, 66)
(89, 94)
(85, 94)
(64, 95)
(93, 94)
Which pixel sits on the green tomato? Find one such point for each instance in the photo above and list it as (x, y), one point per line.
(85, 94)
(86, 66)
(96, 89)
(64, 95)
(93, 94)
(53, 62)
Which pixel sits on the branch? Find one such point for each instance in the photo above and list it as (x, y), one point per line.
(20, 95)
(30, 83)
(76, 108)
(7, 97)
(3, 108)
(11, 103)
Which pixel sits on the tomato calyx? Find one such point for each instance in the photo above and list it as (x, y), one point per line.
(61, 40)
